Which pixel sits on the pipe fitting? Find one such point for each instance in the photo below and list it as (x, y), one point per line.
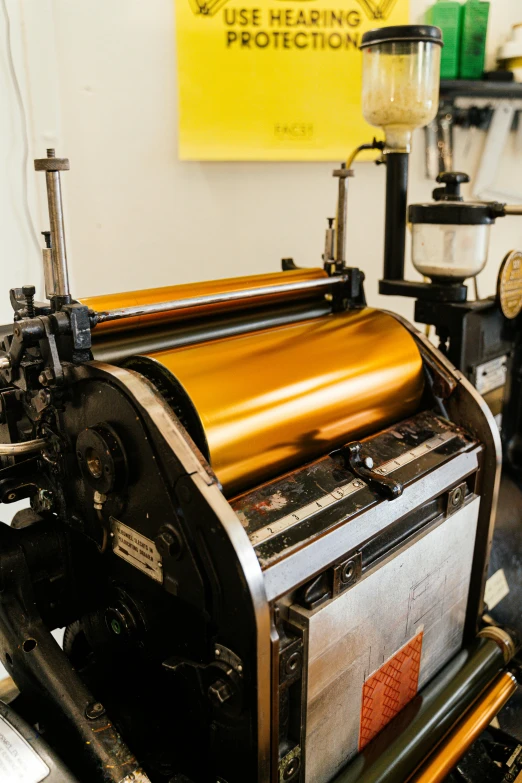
(502, 638)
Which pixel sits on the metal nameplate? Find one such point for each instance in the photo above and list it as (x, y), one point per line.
(343, 491)
(491, 375)
(18, 760)
(136, 549)
(497, 589)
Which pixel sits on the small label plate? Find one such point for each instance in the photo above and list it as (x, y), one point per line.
(19, 763)
(491, 375)
(136, 549)
(496, 589)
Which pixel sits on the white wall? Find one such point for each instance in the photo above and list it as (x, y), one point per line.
(98, 81)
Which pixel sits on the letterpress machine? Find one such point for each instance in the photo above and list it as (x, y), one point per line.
(261, 510)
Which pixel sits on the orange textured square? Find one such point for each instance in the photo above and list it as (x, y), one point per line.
(389, 689)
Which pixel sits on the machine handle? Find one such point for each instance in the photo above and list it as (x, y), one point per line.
(363, 468)
(452, 181)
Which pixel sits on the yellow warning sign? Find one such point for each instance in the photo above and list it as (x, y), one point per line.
(274, 79)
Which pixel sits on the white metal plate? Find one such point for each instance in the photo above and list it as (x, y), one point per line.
(496, 589)
(19, 762)
(136, 549)
(425, 587)
(491, 375)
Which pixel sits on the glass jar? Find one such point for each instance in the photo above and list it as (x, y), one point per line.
(450, 236)
(400, 80)
(449, 251)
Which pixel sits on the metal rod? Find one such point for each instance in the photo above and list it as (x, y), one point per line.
(212, 299)
(329, 241)
(395, 222)
(26, 447)
(342, 213)
(513, 209)
(115, 347)
(60, 274)
(47, 257)
(396, 753)
(58, 250)
(451, 750)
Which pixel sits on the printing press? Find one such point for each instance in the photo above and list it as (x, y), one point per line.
(263, 513)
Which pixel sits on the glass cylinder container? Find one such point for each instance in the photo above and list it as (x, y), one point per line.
(450, 236)
(449, 252)
(400, 80)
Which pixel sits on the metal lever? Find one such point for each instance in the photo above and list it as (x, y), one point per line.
(363, 468)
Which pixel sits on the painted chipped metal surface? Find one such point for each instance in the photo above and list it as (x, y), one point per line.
(288, 512)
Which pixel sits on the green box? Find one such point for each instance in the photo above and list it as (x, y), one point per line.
(447, 14)
(473, 42)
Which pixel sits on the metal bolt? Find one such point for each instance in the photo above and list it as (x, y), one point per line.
(94, 710)
(168, 543)
(94, 463)
(347, 572)
(293, 663)
(457, 496)
(11, 496)
(291, 768)
(44, 395)
(51, 153)
(120, 621)
(99, 500)
(220, 692)
(29, 292)
(46, 377)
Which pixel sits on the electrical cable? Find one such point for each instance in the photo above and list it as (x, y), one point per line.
(23, 119)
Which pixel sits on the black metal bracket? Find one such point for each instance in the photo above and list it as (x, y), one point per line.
(351, 293)
(432, 292)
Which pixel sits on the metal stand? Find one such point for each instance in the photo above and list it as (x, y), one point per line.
(395, 222)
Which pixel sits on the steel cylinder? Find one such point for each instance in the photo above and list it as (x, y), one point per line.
(151, 296)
